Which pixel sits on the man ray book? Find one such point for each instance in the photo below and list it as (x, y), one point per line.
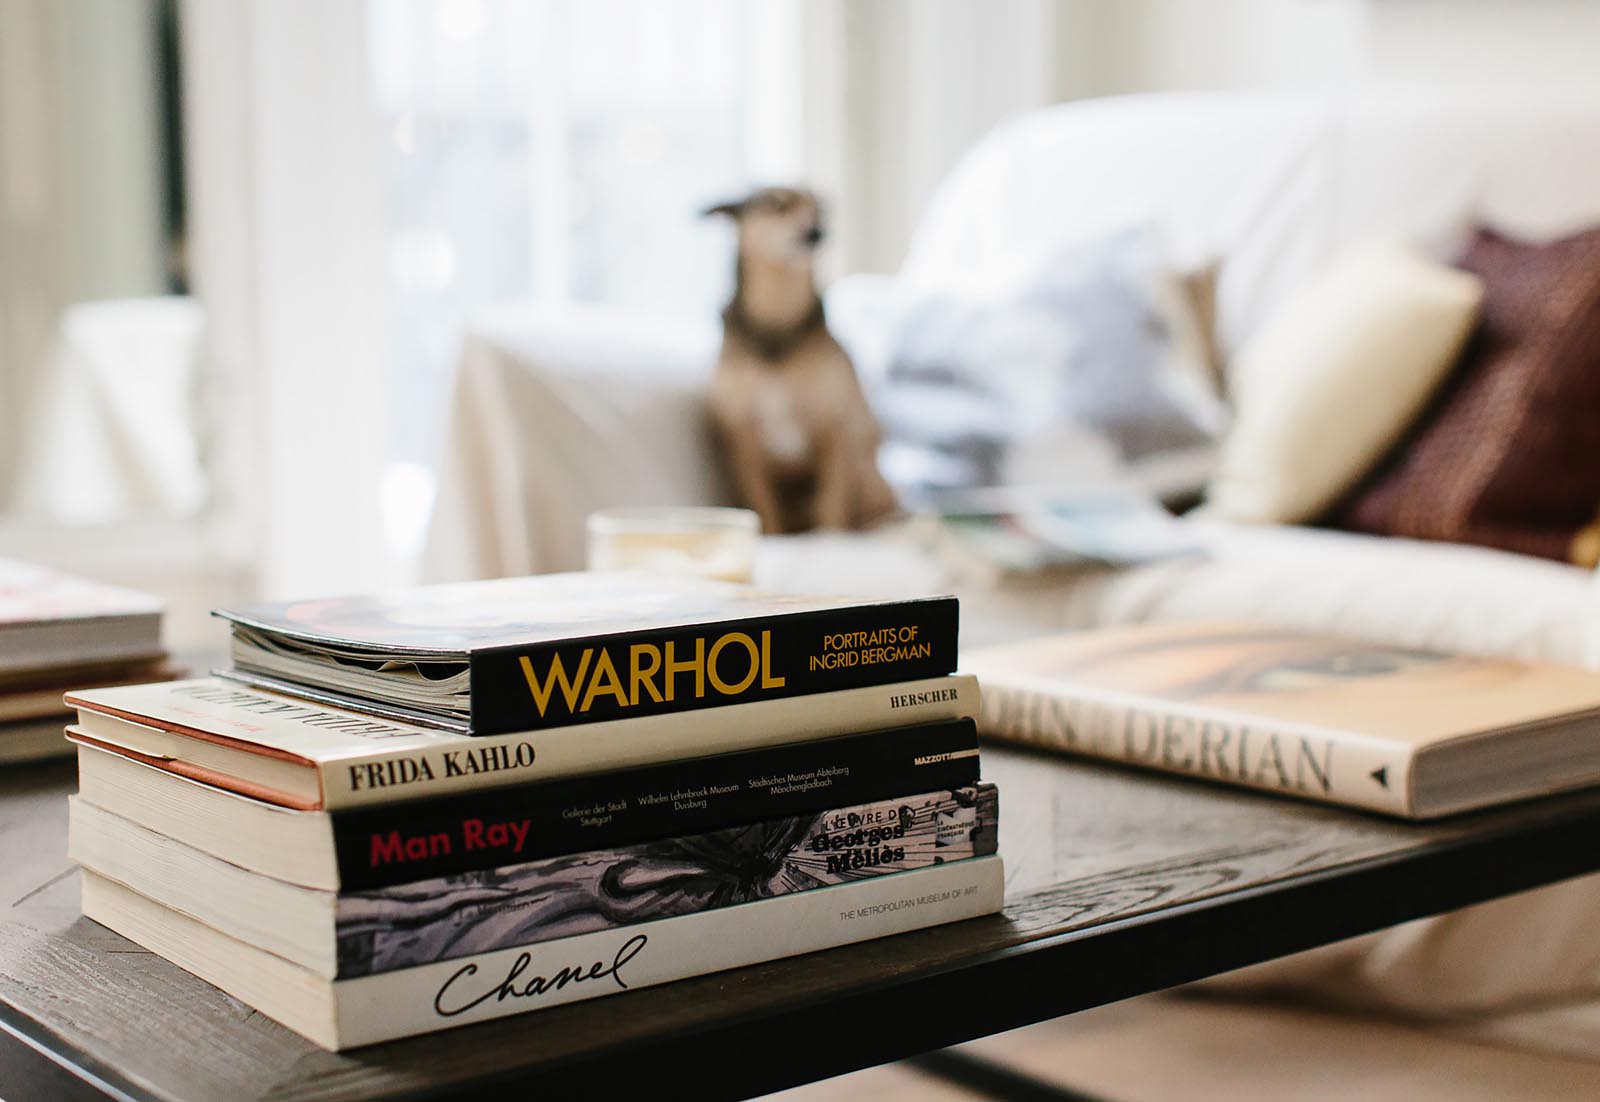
(520, 654)
(1401, 730)
(385, 844)
(442, 918)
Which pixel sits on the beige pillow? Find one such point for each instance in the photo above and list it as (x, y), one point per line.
(1333, 378)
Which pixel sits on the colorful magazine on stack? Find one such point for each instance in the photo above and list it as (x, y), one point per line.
(521, 654)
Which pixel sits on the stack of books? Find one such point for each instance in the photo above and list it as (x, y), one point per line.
(402, 813)
(59, 632)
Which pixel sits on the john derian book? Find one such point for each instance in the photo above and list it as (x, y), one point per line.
(1396, 729)
(520, 654)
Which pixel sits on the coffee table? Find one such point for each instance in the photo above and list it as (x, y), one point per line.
(1119, 883)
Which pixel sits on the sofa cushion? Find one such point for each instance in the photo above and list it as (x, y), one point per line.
(1334, 377)
(986, 386)
(1504, 457)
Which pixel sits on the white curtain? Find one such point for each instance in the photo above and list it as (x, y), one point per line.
(80, 178)
(896, 90)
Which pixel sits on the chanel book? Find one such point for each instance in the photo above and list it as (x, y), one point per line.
(340, 1014)
(522, 654)
(444, 917)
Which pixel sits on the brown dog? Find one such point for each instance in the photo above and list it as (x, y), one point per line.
(786, 401)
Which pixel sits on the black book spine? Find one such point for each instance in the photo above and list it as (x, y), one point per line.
(401, 843)
(675, 669)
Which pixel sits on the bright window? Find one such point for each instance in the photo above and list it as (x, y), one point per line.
(553, 150)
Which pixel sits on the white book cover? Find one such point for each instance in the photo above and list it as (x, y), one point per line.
(309, 756)
(1397, 729)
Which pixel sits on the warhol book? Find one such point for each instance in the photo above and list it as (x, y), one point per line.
(520, 654)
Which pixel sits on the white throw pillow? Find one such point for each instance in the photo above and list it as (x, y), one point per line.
(1096, 339)
(1332, 379)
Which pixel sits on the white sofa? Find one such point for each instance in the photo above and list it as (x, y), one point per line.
(562, 411)
(559, 411)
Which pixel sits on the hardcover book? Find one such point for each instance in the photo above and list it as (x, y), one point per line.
(49, 619)
(521, 654)
(441, 918)
(287, 751)
(1401, 730)
(348, 1013)
(396, 844)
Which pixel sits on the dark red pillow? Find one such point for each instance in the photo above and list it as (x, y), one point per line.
(1507, 454)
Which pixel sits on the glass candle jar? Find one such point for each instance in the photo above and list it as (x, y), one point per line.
(707, 541)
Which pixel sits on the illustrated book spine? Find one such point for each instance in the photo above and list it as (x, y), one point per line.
(1214, 744)
(399, 843)
(351, 1013)
(699, 666)
(451, 916)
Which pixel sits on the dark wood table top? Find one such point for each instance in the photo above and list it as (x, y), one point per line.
(1119, 883)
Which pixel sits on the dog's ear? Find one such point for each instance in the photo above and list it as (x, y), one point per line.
(732, 208)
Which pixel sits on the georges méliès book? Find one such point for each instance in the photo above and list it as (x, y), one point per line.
(411, 925)
(1405, 731)
(520, 654)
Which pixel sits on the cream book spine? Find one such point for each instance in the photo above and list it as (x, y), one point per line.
(199, 728)
(1317, 763)
(384, 1007)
